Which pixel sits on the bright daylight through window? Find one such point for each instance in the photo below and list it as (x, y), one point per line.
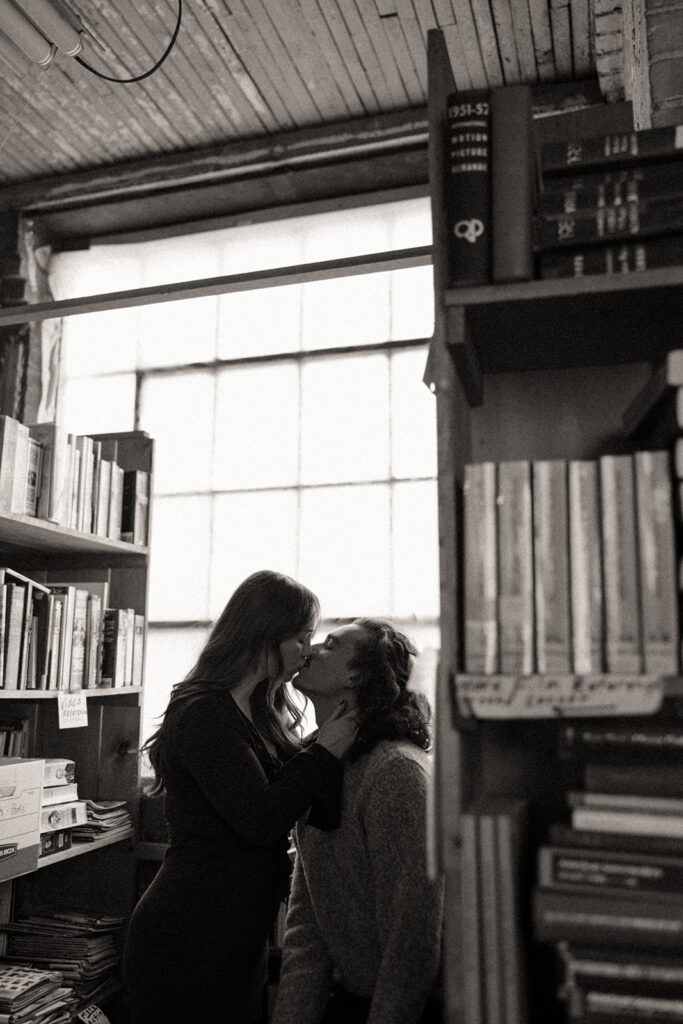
(292, 429)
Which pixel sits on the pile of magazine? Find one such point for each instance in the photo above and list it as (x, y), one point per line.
(30, 995)
(105, 818)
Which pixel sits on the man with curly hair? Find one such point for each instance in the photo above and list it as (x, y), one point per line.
(363, 934)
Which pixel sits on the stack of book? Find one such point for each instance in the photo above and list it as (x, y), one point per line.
(609, 891)
(64, 636)
(61, 810)
(103, 818)
(610, 203)
(81, 947)
(30, 994)
(570, 567)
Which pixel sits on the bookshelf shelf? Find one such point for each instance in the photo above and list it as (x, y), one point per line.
(78, 849)
(32, 533)
(113, 691)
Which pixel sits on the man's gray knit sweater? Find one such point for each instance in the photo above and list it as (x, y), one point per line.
(362, 910)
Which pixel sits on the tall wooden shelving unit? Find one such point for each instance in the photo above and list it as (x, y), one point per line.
(99, 876)
(534, 370)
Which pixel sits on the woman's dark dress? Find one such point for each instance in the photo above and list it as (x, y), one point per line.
(196, 938)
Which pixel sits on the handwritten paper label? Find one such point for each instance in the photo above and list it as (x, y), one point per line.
(92, 1014)
(72, 709)
(557, 696)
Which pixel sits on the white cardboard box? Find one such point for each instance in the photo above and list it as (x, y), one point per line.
(21, 791)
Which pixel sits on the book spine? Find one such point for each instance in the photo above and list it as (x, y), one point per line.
(512, 166)
(657, 562)
(573, 195)
(614, 921)
(20, 472)
(575, 870)
(662, 739)
(585, 567)
(515, 602)
(33, 477)
(481, 570)
(551, 566)
(648, 779)
(16, 598)
(622, 614)
(608, 842)
(616, 149)
(510, 840)
(471, 920)
(600, 819)
(491, 944)
(624, 220)
(626, 258)
(138, 649)
(78, 639)
(468, 201)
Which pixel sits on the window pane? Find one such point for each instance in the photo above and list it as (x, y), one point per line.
(97, 405)
(257, 426)
(262, 245)
(177, 411)
(94, 271)
(346, 311)
(172, 333)
(169, 656)
(179, 559)
(183, 258)
(415, 549)
(412, 223)
(100, 342)
(340, 233)
(251, 532)
(413, 416)
(260, 322)
(345, 549)
(412, 303)
(345, 419)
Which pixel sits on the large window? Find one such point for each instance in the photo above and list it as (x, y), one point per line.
(292, 427)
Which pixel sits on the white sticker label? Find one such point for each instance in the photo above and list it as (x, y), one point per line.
(73, 710)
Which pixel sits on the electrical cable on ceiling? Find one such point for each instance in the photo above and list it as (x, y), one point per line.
(139, 78)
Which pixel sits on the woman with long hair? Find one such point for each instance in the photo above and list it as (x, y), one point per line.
(229, 759)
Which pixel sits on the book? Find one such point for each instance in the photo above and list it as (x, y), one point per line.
(617, 258)
(647, 803)
(79, 639)
(515, 594)
(610, 188)
(55, 842)
(138, 649)
(63, 815)
(14, 632)
(33, 477)
(8, 443)
(655, 740)
(115, 502)
(665, 379)
(634, 218)
(511, 836)
(551, 566)
(128, 620)
(470, 895)
(512, 183)
(103, 498)
(468, 201)
(622, 613)
(59, 794)
(614, 148)
(66, 594)
(585, 566)
(610, 872)
(491, 938)
(601, 819)
(655, 779)
(58, 771)
(84, 444)
(135, 506)
(657, 577)
(114, 647)
(481, 568)
(20, 471)
(647, 922)
(93, 633)
(621, 970)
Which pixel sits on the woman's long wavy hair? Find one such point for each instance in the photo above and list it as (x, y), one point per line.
(387, 709)
(266, 609)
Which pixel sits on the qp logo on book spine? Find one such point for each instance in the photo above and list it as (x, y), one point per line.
(470, 230)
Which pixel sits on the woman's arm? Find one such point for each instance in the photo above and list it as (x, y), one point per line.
(213, 744)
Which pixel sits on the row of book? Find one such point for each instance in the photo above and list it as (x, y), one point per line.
(610, 203)
(608, 893)
(601, 204)
(71, 479)
(60, 635)
(570, 566)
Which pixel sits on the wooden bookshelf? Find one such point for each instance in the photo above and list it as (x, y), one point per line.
(535, 370)
(79, 849)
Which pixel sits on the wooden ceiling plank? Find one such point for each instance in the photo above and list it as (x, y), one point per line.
(328, 45)
(365, 48)
(543, 40)
(257, 59)
(562, 37)
(302, 107)
(309, 60)
(416, 39)
(414, 83)
(488, 43)
(521, 20)
(464, 19)
(350, 59)
(375, 29)
(457, 56)
(505, 34)
(581, 36)
(136, 55)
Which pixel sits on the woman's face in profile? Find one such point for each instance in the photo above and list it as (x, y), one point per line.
(294, 652)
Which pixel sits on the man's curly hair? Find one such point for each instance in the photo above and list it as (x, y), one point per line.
(387, 709)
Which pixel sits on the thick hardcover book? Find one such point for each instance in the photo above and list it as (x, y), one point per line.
(576, 870)
(468, 180)
(614, 920)
(635, 218)
(625, 258)
(610, 188)
(512, 183)
(622, 613)
(515, 601)
(585, 567)
(615, 149)
(481, 568)
(601, 842)
(657, 574)
(655, 739)
(551, 566)
(644, 779)
(8, 442)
